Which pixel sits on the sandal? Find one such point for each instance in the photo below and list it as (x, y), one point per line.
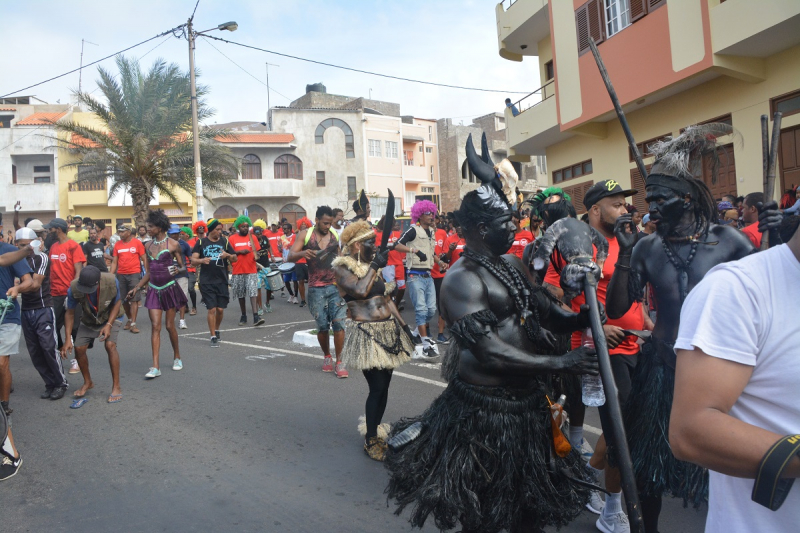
(115, 398)
(77, 404)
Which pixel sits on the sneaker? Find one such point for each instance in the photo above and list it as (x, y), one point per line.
(219, 337)
(73, 367)
(193, 311)
(616, 523)
(46, 394)
(303, 303)
(267, 308)
(9, 467)
(261, 312)
(341, 371)
(127, 325)
(134, 329)
(327, 364)
(182, 324)
(295, 300)
(428, 345)
(441, 339)
(417, 339)
(595, 503)
(243, 320)
(153, 373)
(257, 320)
(586, 450)
(214, 342)
(177, 364)
(58, 393)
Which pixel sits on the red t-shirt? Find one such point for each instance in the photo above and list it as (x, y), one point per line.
(440, 236)
(245, 264)
(521, 240)
(633, 319)
(273, 241)
(460, 243)
(128, 255)
(753, 234)
(62, 265)
(191, 242)
(395, 258)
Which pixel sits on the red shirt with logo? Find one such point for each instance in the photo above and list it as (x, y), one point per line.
(63, 257)
(246, 263)
(273, 238)
(521, 240)
(440, 238)
(460, 244)
(128, 255)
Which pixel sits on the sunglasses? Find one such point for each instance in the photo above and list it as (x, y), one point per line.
(427, 213)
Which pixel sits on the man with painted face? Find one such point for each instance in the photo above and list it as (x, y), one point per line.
(483, 456)
(686, 245)
(361, 208)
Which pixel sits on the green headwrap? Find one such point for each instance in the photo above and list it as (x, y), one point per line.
(241, 219)
(188, 231)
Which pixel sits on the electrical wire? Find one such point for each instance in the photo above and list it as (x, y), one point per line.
(246, 72)
(168, 32)
(362, 71)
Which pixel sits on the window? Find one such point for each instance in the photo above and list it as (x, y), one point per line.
(428, 189)
(428, 150)
(289, 167)
(420, 148)
(408, 158)
(320, 178)
(618, 16)
(41, 179)
(13, 173)
(349, 146)
(466, 173)
(42, 168)
(5, 121)
(391, 149)
(251, 167)
(41, 173)
(788, 104)
(573, 171)
(589, 24)
(644, 147)
(549, 73)
(431, 172)
(374, 148)
(430, 133)
(352, 192)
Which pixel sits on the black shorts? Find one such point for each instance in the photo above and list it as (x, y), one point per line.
(437, 286)
(215, 295)
(622, 367)
(301, 271)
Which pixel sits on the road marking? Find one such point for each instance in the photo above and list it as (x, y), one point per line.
(257, 327)
(587, 428)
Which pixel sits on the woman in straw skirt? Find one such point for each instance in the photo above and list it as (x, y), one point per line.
(375, 342)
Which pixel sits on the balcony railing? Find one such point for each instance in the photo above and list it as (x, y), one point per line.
(544, 92)
(508, 3)
(86, 186)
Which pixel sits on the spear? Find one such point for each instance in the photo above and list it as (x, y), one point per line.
(769, 168)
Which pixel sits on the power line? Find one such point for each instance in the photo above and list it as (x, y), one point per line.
(194, 10)
(246, 72)
(94, 62)
(363, 71)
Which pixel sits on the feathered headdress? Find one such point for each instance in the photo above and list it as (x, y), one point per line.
(683, 155)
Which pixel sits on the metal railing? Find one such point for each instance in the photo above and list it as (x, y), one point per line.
(507, 4)
(544, 92)
(86, 186)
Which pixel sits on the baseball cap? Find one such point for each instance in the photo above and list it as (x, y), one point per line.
(646, 219)
(26, 234)
(173, 229)
(35, 225)
(57, 223)
(602, 189)
(89, 279)
(123, 227)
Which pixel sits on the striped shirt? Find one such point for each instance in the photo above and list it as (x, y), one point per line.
(40, 264)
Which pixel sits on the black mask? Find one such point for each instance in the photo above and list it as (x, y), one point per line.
(550, 213)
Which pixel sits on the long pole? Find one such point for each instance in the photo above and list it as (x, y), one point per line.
(615, 411)
(269, 118)
(198, 176)
(769, 188)
(618, 108)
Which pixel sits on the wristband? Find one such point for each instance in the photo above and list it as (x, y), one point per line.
(769, 489)
(622, 267)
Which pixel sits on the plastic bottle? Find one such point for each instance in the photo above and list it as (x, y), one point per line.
(593, 394)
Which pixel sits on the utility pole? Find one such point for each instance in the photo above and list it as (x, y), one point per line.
(80, 70)
(269, 115)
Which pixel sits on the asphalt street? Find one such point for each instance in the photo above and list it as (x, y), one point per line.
(251, 436)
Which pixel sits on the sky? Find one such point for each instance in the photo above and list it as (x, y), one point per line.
(444, 41)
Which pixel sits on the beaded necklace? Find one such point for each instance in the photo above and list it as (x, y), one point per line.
(518, 287)
(681, 265)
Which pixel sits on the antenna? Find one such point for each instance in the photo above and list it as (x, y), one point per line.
(80, 70)
(269, 115)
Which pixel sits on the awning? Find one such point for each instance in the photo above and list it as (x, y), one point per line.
(413, 138)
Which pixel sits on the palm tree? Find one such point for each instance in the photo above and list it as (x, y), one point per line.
(144, 142)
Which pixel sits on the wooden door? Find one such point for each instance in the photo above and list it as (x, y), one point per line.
(789, 158)
(725, 181)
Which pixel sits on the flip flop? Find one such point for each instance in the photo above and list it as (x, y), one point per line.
(77, 404)
(115, 398)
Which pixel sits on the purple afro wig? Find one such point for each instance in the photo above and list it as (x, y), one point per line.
(422, 206)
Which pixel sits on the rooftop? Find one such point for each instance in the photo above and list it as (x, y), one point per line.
(41, 119)
(258, 138)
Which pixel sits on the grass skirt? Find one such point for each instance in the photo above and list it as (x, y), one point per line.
(382, 344)
(483, 460)
(647, 425)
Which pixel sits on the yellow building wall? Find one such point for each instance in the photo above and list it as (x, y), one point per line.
(746, 102)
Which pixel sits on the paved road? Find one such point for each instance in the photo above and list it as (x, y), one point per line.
(248, 437)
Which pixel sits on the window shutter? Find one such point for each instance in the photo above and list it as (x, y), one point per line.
(637, 182)
(577, 193)
(582, 27)
(653, 4)
(596, 21)
(638, 9)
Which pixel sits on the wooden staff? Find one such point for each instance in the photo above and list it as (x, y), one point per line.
(769, 178)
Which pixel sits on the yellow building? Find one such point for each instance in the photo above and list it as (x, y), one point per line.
(93, 201)
(673, 63)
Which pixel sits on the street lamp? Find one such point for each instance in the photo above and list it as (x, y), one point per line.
(198, 177)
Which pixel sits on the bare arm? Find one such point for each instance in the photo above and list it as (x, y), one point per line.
(78, 268)
(25, 285)
(701, 429)
(114, 263)
(16, 256)
(297, 253)
(352, 285)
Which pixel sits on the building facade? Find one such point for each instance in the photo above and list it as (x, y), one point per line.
(673, 63)
(457, 180)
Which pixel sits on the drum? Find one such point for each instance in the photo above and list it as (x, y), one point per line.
(286, 268)
(274, 281)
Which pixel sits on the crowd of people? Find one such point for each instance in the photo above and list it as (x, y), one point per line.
(504, 278)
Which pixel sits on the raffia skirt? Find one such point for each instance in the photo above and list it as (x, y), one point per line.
(381, 344)
(484, 460)
(646, 417)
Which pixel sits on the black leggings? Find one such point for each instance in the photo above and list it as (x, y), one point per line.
(651, 508)
(378, 380)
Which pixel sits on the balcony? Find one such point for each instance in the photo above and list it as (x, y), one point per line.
(269, 188)
(34, 197)
(536, 126)
(413, 174)
(754, 29)
(521, 24)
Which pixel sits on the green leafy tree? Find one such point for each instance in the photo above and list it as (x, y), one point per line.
(144, 141)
